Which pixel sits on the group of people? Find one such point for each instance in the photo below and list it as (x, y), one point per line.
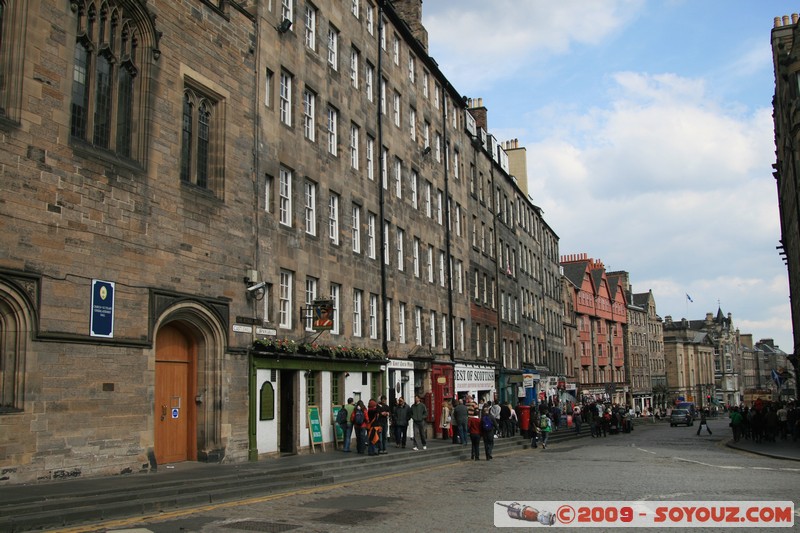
(765, 422)
(370, 424)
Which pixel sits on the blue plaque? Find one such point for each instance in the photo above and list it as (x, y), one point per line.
(102, 316)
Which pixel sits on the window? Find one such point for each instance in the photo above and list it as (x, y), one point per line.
(286, 10)
(309, 103)
(430, 263)
(414, 186)
(399, 244)
(370, 15)
(268, 77)
(333, 218)
(439, 202)
(107, 81)
(310, 190)
(438, 147)
(285, 194)
(356, 220)
(387, 317)
(441, 268)
(426, 134)
(333, 48)
(371, 235)
(354, 60)
(396, 49)
(354, 136)
(357, 295)
(398, 178)
(354, 8)
(373, 316)
(456, 165)
(384, 170)
(433, 329)
(268, 193)
(199, 141)
(460, 276)
(428, 204)
(370, 158)
(385, 242)
(333, 119)
(401, 323)
(412, 123)
(285, 310)
(311, 295)
(382, 30)
(461, 334)
(415, 255)
(425, 83)
(458, 219)
(286, 99)
(369, 78)
(311, 27)
(437, 90)
(412, 68)
(336, 291)
(397, 109)
(383, 96)
(418, 326)
(444, 332)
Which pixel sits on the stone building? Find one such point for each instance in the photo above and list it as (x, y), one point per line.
(223, 218)
(786, 62)
(689, 356)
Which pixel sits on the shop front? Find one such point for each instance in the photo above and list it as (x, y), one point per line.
(476, 380)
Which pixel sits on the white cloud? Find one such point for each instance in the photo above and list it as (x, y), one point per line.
(509, 34)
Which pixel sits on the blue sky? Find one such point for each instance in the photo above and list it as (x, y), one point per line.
(649, 136)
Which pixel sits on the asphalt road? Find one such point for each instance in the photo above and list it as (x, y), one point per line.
(655, 462)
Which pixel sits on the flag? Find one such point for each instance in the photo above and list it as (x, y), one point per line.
(776, 378)
(689, 298)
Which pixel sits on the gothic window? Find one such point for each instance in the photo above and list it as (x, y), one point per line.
(201, 129)
(108, 83)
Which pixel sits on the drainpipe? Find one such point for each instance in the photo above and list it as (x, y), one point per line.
(381, 200)
(448, 257)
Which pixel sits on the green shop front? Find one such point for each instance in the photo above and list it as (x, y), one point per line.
(288, 380)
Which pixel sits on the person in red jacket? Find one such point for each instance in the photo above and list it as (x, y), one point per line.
(474, 428)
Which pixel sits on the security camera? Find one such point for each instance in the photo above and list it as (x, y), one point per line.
(256, 286)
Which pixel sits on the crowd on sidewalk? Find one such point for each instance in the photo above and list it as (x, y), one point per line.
(465, 421)
(765, 422)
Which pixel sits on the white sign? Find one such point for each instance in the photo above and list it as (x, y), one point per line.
(175, 413)
(404, 365)
(473, 378)
(266, 331)
(241, 328)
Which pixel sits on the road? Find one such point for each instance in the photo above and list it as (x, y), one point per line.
(655, 462)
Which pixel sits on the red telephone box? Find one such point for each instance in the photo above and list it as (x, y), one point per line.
(442, 381)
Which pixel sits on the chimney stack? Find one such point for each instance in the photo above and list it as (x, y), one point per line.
(411, 12)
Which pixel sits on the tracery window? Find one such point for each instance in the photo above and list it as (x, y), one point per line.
(107, 78)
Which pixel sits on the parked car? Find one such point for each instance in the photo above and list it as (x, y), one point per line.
(681, 416)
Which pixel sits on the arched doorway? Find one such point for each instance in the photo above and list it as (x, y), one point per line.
(175, 437)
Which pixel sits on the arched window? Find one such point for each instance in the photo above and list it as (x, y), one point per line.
(201, 139)
(108, 81)
(16, 319)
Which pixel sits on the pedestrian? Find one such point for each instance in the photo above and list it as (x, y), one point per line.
(736, 424)
(400, 418)
(474, 428)
(513, 422)
(546, 427)
(359, 422)
(348, 426)
(460, 421)
(489, 428)
(703, 422)
(577, 419)
(383, 421)
(445, 420)
(419, 413)
(373, 428)
(505, 416)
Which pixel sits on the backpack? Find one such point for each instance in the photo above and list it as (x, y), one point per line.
(358, 417)
(486, 423)
(341, 417)
(544, 421)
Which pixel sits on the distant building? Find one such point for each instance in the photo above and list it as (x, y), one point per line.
(689, 356)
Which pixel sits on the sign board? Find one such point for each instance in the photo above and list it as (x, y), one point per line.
(338, 432)
(241, 328)
(175, 413)
(102, 313)
(315, 427)
(323, 315)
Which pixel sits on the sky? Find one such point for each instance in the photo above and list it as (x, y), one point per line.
(649, 137)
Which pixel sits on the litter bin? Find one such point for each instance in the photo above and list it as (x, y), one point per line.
(524, 419)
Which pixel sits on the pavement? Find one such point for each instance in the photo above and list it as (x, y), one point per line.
(54, 504)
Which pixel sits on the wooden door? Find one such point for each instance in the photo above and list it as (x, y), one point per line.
(174, 397)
